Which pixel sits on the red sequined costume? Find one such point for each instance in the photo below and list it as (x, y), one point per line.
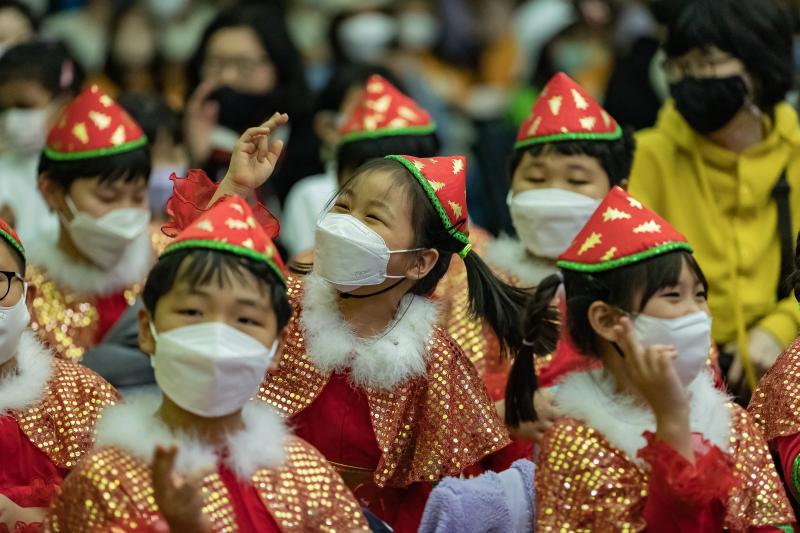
(77, 304)
(263, 480)
(774, 405)
(601, 469)
(393, 414)
(47, 412)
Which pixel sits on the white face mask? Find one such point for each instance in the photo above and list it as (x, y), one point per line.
(365, 38)
(13, 321)
(210, 369)
(547, 220)
(24, 131)
(104, 240)
(417, 30)
(690, 335)
(348, 254)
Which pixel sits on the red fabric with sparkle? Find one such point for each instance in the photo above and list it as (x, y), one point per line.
(384, 110)
(27, 476)
(564, 108)
(338, 424)
(621, 227)
(251, 515)
(230, 220)
(684, 496)
(446, 177)
(92, 121)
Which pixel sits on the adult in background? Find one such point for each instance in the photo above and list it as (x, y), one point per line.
(246, 69)
(723, 165)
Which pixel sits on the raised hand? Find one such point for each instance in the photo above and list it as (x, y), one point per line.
(254, 157)
(651, 370)
(199, 122)
(179, 500)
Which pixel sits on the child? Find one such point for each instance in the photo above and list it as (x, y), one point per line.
(569, 153)
(93, 174)
(215, 308)
(365, 374)
(384, 121)
(646, 440)
(37, 80)
(48, 406)
(773, 406)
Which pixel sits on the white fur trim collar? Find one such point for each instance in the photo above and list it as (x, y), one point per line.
(87, 278)
(34, 369)
(382, 362)
(590, 397)
(132, 427)
(510, 256)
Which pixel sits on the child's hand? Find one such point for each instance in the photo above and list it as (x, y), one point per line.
(652, 371)
(178, 499)
(254, 158)
(12, 514)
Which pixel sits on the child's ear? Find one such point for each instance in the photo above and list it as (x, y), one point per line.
(52, 193)
(29, 297)
(423, 263)
(603, 318)
(147, 343)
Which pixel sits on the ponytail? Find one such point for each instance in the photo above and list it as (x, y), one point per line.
(540, 324)
(496, 302)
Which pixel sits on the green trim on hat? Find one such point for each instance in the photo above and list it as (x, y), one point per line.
(224, 247)
(613, 136)
(431, 196)
(100, 152)
(388, 132)
(625, 261)
(13, 242)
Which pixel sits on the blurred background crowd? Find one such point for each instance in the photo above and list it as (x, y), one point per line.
(196, 73)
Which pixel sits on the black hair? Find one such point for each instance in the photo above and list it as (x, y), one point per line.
(351, 155)
(490, 299)
(22, 263)
(627, 288)
(207, 266)
(152, 114)
(344, 77)
(793, 280)
(268, 21)
(46, 63)
(758, 33)
(128, 167)
(616, 157)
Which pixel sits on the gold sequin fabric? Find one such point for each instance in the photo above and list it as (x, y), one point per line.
(583, 483)
(426, 428)
(775, 404)
(61, 424)
(112, 488)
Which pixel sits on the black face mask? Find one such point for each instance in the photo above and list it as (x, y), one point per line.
(239, 110)
(708, 104)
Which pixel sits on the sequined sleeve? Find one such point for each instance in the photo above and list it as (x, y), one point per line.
(759, 499)
(306, 494)
(775, 404)
(61, 424)
(584, 484)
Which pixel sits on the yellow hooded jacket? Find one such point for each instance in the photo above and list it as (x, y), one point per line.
(722, 201)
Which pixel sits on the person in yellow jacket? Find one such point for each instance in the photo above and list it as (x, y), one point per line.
(723, 165)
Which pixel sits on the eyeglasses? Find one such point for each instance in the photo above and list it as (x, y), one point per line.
(5, 282)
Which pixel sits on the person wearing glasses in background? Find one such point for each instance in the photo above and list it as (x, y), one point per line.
(723, 165)
(48, 406)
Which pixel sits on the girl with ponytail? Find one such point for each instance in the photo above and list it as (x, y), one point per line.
(365, 374)
(645, 439)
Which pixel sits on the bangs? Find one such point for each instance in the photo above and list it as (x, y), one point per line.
(699, 26)
(127, 167)
(206, 267)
